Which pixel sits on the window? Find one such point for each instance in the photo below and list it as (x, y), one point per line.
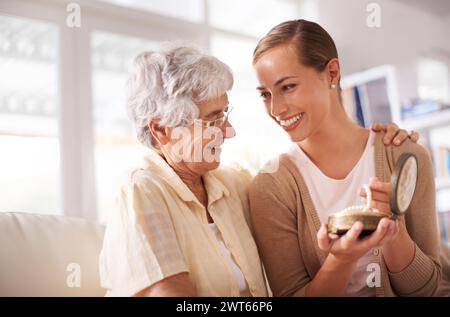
(258, 138)
(116, 147)
(191, 10)
(29, 160)
(50, 72)
(250, 17)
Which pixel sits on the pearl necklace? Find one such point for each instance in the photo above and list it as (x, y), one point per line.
(365, 207)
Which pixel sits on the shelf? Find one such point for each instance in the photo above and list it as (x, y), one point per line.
(443, 194)
(442, 182)
(432, 120)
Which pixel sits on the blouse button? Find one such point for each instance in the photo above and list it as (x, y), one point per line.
(376, 252)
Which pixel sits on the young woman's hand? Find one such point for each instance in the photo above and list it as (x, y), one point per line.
(381, 192)
(349, 247)
(394, 134)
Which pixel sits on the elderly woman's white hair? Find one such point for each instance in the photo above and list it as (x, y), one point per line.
(165, 85)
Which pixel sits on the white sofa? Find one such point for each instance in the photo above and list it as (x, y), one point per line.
(44, 255)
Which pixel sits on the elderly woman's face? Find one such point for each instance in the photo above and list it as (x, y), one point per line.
(198, 147)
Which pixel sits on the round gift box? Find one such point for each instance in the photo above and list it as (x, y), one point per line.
(340, 223)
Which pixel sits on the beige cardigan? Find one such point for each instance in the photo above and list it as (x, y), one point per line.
(285, 225)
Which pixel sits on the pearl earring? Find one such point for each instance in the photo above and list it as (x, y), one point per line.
(333, 86)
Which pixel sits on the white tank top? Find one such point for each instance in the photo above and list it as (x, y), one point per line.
(332, 195)
(240, 279)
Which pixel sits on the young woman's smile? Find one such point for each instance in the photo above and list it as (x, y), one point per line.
(290, 123)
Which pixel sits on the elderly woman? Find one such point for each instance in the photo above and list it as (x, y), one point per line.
(182, 228)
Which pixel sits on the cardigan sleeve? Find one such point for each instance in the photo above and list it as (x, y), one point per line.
(273, 214)
(422, 276)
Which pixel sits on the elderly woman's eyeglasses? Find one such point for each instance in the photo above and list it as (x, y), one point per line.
(215, 123)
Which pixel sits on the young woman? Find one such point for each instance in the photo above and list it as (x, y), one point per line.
(298, 71)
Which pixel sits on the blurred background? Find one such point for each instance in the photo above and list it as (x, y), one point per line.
(65, 140)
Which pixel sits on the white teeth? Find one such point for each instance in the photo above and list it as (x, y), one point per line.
(291, 121)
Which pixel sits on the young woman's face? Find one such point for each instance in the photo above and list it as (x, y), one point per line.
(297, 97)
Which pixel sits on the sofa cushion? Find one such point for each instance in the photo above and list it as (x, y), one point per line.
(47, 255)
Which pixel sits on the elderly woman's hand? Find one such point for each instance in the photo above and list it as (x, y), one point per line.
(394, 134)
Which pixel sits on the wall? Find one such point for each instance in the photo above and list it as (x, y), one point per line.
(405, 35)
